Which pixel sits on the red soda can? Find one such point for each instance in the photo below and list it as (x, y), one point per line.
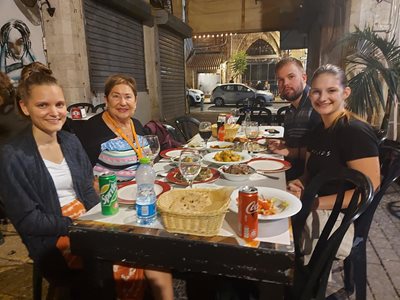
(248, 214)
(76, 113)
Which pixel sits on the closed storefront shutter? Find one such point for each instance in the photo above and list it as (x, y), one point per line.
(114, 43)
(172, 73)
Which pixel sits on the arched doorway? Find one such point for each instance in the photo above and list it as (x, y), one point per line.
(261, 60)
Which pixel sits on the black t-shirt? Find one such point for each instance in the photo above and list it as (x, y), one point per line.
(333, 147)
(94, 132)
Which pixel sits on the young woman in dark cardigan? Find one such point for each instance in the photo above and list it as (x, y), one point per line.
(46, 177)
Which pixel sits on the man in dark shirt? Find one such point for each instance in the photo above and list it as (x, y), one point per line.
(300, 117)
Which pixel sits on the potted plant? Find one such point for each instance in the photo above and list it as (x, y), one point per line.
(372, 63)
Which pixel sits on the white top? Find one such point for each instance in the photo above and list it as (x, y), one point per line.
(62, 180)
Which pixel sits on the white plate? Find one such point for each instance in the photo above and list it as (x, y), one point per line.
(173, 153)
(294, 203)
(210, 158)
(226, 145)
(266, 165)
(127, 194)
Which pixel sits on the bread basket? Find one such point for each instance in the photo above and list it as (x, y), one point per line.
(194, 211)
(230, 131)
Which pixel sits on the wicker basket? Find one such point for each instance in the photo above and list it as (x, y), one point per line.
(204, 223)
(230, 131)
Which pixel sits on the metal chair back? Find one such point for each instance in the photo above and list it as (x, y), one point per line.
(87, 106)
(310, 280)
(355, 265)
(187, 126)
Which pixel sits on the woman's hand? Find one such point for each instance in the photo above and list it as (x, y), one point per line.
(295, 187)
(96, 185)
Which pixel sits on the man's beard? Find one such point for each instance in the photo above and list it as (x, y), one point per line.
(292, 97)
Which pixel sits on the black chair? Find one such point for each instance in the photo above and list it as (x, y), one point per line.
(187, 126)
(262, 115)
(87, 106)
(172, 131)
(280, 115)
(355, 266)
(310, 281)
(247, 103)
(99, 108)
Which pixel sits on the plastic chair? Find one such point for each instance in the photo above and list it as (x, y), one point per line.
(187, 126)
(280, 115)
(87, 106)
(355, 266)
(310, 281)
(99, 108)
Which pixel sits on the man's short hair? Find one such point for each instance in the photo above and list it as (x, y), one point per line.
(289, 60)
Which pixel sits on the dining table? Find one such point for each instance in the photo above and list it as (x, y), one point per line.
(103, 240)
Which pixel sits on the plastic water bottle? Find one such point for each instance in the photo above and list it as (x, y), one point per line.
(146, 197)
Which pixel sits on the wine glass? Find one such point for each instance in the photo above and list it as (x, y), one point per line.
(251, 130)
(190, 164)
(205, 131)
(153, 147)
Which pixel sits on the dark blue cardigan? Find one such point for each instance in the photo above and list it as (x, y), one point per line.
(29, 195)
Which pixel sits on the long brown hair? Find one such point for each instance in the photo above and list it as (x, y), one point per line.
(34, 74)
(336, 71)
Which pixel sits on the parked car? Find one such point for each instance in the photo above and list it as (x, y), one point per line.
(231, 93)
(194, 96)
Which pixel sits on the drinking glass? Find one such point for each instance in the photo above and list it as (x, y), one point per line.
(190, 165)
(153, 147)
(205, 131)
(251, 131)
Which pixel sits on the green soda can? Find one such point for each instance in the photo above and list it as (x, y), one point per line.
(108, 194)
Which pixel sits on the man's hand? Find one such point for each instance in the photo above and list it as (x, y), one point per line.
(278, 147)
(295, 187)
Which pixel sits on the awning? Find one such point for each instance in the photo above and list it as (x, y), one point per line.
(208, 62)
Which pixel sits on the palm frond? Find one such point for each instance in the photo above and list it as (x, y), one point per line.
(371, 60)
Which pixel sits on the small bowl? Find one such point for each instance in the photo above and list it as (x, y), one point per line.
(236, 177)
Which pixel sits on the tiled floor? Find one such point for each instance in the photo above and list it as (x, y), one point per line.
(383, 257)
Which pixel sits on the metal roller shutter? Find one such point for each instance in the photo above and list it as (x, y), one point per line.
(115, 45)
(172, 73)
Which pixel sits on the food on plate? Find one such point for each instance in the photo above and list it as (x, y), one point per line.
(220, 146)
(239, 169)
(241, 139)
(205, 174)
(194, 144)
(227, 156)
(256, 147)
(271, 206)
